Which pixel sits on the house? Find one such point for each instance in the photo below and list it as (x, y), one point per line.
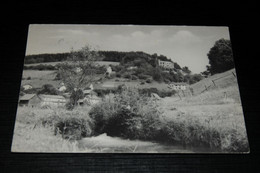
(155, 96)
(89, 100)
(177, 86)
(27, 87)
(29, 100)
(166, 64)
(78, 69)
(52, 100)
(108, 71)
(62, 88)
(132, 68)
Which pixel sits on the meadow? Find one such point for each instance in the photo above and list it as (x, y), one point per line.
(208, 121)
(195, 123)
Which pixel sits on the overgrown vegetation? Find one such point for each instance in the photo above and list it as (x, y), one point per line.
(135, 115)
(123, 116)
(133, 65)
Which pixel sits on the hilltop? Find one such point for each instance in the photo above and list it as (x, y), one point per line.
(129, 65)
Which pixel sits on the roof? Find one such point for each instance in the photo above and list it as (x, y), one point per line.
(27, 96)
(87, 91)
(155, 96)
(51, 96)
(179, 83)
(27, 84)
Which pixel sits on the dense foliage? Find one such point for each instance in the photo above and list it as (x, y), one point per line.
(49, 90)
(133, 65)
(220, 57)
(30, 59)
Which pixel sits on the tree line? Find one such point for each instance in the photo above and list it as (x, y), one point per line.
(220, 58)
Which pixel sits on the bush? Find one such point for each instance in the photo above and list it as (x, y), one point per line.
(134, 77)
(163, 93)
(118, 75)
(103, 92)
(127, 115)
(127, 76)
(48, 89)
(143, 76)
(71, 125)
(148, 81)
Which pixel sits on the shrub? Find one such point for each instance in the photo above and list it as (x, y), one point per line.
(148, 81)
(71, 125)
(118, 75)
(134, 77)
(143, 76)
(127, 76)
(163, 93)
(128, 115)
(167, 81)
(103, 92)
(48, 89)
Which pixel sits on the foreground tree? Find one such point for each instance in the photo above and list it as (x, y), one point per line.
(220, 57)
(78, 72)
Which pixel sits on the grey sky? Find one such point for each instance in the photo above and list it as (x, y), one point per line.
(186, 45)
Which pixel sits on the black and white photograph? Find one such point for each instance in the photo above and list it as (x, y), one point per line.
(129, 89)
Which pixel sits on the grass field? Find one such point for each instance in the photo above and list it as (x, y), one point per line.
(39, 78)
(36, 74)
(225, 79)
(213, 118)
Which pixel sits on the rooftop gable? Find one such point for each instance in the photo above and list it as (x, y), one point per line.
(27, 96)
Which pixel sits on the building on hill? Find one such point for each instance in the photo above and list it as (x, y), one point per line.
(166, 64)
(29, 100)
(178, 86)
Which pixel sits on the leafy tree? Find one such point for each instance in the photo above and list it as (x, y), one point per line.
(48, 89)
(220, 57)
(186, 70)
(78, 72)
(176, 65)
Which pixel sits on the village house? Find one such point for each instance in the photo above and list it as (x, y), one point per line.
(132, 68)
(108, 71)
(29, 100)
(166, 64)
(27, 87)
(89, 99)
(52, 100)
(177, 86)
(62, 87)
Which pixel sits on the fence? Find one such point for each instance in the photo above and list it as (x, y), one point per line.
(207, 84)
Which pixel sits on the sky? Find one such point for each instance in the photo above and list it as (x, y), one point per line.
(186, 45)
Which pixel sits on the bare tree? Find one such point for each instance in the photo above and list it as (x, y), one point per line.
(78, 72)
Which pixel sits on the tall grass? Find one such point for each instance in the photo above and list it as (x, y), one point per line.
(134, 116)
(40, 139)
(215, 132)
(49, 130)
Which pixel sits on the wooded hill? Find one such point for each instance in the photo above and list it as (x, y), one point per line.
(133, 65)
(115, 56)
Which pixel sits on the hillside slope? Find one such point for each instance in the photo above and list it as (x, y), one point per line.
(220, 80)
